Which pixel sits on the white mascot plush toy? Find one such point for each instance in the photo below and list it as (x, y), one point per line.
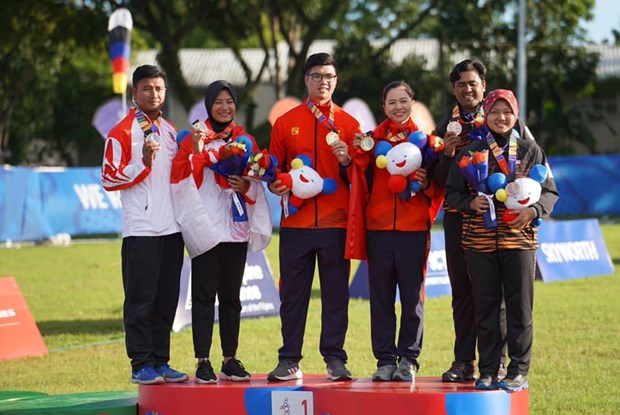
(304, 183)
(401, 161)
(519, 194)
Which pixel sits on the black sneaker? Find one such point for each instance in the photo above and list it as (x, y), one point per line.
(287, 369)
(514, 383)
(205, 373)
(486, 382)
(460, 372)
(234, 370)
(336, 370)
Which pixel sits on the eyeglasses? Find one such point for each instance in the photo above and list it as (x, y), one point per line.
(318, 77)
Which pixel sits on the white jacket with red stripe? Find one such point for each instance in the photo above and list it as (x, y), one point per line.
(145, 191)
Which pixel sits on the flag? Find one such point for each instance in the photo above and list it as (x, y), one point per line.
(119, 37)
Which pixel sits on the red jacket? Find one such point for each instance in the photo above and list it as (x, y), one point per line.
(385, 210)
(375, 207)
(299, 132)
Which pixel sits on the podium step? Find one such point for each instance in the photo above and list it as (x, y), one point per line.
(429, 396)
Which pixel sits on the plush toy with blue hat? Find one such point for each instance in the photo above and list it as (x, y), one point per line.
(401, 161)
(304, 182)
(519, 194)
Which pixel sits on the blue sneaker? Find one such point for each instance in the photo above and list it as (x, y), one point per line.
(486, 382)
(146, 376)
(170, 375)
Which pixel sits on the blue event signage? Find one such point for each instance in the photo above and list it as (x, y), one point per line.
(259, 296)
(437, 282)
(572, 249)
(39, 203)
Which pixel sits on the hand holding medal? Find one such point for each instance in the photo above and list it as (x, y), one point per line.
(452, 138)
(339, 147)
(199, 131)
(150, 148)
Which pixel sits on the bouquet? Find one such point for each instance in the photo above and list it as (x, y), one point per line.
(475, 168)
(232, 159)
(261, 166)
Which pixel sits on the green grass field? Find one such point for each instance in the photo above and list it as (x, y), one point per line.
(75, 295)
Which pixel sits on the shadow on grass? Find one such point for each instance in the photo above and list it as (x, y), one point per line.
(56, 327)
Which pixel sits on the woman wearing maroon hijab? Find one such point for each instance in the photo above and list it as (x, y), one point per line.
(501, 260)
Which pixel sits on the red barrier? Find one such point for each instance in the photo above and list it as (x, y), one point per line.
(19, 334)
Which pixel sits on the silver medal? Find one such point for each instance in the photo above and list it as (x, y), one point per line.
(200, 126)
(154, 137)
(454, 127)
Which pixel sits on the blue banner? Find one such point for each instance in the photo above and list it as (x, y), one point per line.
(586, 185)
(572, 249)
(436, 284)
(39, 203)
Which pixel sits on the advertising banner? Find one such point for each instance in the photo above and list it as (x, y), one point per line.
(437, 282)
(259, 296)
(572, 249)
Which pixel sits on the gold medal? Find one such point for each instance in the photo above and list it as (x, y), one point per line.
(154, 137)
(367, 143)
(332, 137)
(454, 127)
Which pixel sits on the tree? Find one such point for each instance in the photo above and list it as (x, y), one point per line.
(169, 22)
(39, 37)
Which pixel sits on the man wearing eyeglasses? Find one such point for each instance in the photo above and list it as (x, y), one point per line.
(316, 232)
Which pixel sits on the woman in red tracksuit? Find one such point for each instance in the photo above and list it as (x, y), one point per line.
(398, 242)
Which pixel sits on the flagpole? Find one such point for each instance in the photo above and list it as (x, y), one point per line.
(522, 61)
(124, 103)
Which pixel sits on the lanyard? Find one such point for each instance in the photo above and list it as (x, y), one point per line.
(508, 168)
(466, 118)
(328, 122)
(398, 137)
(146, 126)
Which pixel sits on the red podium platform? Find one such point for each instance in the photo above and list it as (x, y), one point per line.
(323, 397)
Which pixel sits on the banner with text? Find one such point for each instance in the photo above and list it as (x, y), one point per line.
(39, 203)
(437, 282)
(259, 296)
(572, 249)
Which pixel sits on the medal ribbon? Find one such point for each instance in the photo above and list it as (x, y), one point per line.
(224, 134)
(146, 126)
(508, 168)
(328, 122)
(398, 137)
(463, 117)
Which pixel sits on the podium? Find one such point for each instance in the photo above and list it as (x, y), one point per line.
(430, 396)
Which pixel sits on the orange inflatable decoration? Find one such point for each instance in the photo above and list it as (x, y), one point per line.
(280, 107)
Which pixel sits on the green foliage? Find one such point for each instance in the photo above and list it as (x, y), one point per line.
(40, 39)
(75, 294)
(363, 74)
